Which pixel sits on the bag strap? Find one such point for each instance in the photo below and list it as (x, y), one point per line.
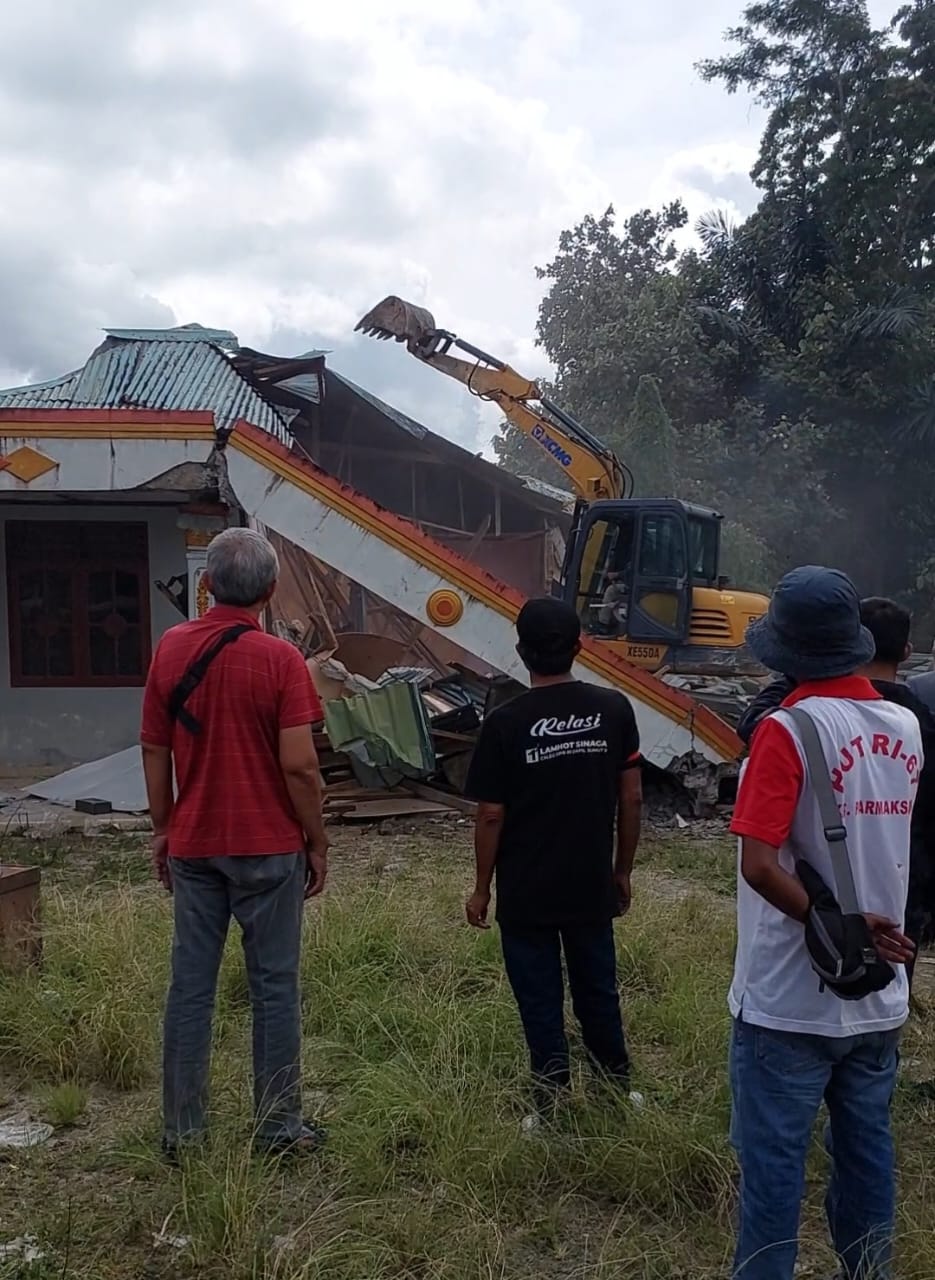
(834, 829)
(196, 673)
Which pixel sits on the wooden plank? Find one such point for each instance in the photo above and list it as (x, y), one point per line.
(394, 807)
(20, 936)
(13, 878)
(449, 798)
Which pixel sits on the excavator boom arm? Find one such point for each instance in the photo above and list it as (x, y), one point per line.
(592, 469)
(590, 475)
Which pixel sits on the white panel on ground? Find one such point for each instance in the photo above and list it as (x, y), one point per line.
(117, 779)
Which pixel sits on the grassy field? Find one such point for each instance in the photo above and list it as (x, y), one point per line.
(413, 1058)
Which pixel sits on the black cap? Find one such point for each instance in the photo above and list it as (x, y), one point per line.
(548, 626)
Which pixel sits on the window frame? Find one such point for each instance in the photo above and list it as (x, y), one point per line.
(79, 572)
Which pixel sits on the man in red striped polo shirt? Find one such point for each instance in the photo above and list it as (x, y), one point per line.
(232, 709)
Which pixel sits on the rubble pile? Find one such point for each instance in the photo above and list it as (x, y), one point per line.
(727, 696)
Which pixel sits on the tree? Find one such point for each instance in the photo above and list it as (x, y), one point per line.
(650, 444)
(835, 266)
(851, 118)
(793, 353)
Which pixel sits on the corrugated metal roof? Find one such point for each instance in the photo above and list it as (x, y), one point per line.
(181, 369)
(181, 333)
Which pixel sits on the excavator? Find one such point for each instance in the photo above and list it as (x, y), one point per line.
(642, 573)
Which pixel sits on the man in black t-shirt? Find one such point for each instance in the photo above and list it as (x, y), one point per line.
(553, 771)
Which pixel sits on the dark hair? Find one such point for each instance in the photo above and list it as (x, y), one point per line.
(889, 624)
(547, 663)
(549, 634)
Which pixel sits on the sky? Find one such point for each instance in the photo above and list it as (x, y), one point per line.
(276, 167)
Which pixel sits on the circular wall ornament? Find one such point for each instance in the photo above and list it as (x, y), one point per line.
(444, 608)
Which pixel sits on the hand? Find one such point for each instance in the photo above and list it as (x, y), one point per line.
(159, 849)
(624, 893)
(476, 909)
(316, 867)
(892, 945)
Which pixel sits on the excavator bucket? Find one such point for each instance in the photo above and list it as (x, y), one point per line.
(399, 320)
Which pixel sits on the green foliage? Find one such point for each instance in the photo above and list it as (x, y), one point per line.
(745, 557)
(793, 352)
(650, 443)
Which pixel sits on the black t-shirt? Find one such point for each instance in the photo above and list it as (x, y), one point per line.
(553, 757)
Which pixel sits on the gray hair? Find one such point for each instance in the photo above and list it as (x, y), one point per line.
(242, 567)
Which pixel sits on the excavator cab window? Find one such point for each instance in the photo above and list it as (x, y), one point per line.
(629, 573)
(703, 548)
(660, 601)
(604, 573)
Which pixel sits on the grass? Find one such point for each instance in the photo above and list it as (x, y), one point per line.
(413, 1057)
(62, 1105)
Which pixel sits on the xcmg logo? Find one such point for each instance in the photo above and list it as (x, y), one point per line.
(558, 453)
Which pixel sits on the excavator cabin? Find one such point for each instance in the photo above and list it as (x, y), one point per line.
(643, 575)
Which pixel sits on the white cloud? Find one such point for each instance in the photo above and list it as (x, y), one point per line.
(276, 167)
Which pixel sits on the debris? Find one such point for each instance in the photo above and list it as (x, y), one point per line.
(680, 822)
(419, 676)
(394, 806)
(94, 807)
(384, 733)
(726, 696)
(19, 1133)
(25, 1247)
(162, 1241)
(333, 681)
(438, 796)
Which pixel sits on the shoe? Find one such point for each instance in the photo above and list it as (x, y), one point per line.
(311, 1139)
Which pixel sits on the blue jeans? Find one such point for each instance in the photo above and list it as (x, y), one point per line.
(265, 896)
(533, 959)
(778, 1081)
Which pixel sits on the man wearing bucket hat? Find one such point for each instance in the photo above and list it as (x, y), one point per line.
(823, 816)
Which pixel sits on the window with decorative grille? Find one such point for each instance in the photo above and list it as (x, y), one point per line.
(78, 603)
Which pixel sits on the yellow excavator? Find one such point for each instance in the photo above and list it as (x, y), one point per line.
(642, 573)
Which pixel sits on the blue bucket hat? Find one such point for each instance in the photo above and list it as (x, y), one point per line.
(813, 629)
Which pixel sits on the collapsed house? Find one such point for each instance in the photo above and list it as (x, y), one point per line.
(95, 572)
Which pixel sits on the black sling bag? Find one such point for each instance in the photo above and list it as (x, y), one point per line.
(196, 673)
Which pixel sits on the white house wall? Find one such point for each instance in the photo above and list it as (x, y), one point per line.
(51, 727)
(88, 465)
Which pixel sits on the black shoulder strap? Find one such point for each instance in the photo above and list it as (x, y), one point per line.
(196, 673)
